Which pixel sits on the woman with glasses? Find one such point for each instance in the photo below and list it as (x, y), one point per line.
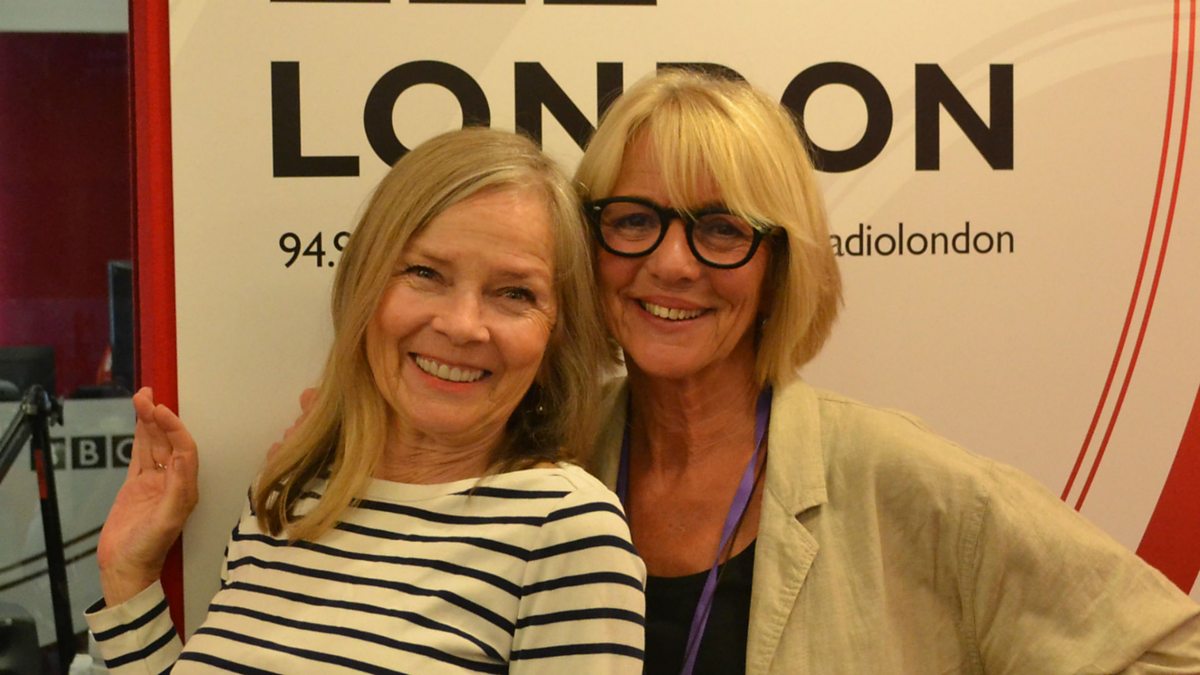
(790, 530)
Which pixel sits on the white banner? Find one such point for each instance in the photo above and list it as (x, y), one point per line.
(1000, 178)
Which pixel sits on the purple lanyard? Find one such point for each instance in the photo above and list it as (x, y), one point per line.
(740, 501)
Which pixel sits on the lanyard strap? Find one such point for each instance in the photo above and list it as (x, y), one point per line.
(740, 501)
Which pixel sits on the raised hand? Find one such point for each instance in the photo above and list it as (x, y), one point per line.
(152, 505)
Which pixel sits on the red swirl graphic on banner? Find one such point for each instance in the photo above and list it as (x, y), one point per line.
(1172, 539)
(1174, 519)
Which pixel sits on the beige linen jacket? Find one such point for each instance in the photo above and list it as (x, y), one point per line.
(883, 548)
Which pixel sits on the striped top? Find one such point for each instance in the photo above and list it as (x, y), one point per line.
(524, 572)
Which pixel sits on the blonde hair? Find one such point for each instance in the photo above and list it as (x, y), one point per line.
(704, 128)
(344, 432)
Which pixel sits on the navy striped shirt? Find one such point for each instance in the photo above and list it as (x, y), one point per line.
(525, 572)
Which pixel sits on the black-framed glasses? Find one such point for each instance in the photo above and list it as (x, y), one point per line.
(632, 227)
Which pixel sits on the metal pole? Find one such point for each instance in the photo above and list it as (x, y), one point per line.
(40, 408)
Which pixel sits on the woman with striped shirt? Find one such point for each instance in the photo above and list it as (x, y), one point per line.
(422, 517)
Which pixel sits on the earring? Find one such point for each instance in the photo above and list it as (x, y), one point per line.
(536, 406)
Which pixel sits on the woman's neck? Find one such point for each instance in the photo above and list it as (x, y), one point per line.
(679, 423)
(425, 459)
(690, 444)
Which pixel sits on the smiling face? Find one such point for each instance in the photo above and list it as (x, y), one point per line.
(673, 316)
(461, 329)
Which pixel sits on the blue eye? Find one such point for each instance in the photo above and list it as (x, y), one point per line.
(635, 221)
(629, 220)
(519, 293)
(724, 226)
(420, 272)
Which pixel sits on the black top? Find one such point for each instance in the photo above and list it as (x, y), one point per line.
(670, 602)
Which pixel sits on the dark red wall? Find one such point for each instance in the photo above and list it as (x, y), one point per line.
(64, 192)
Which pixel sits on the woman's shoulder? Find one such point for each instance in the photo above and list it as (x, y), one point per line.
(911, 472)
(861, 433)
(561, 482)
(891, 452)
(568, 503)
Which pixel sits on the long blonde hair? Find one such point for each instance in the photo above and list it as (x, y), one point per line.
(702, 126)
(344, 432)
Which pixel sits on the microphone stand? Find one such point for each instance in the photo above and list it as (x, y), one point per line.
(37, 411)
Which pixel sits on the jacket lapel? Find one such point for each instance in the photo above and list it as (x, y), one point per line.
(785, 550)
